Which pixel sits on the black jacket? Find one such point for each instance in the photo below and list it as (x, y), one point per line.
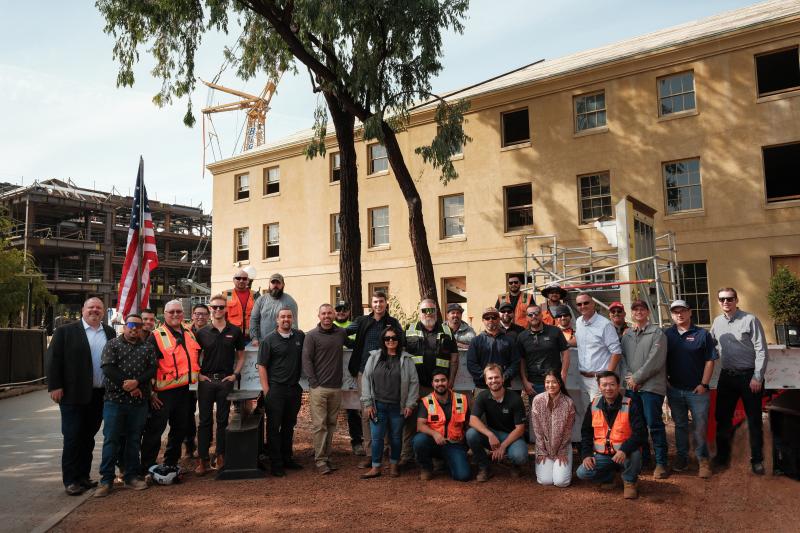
(359, 326)
(70, 362)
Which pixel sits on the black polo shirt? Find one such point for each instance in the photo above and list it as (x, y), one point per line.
(500, 416)
(219, 348)
(282, 357)
(541, 351)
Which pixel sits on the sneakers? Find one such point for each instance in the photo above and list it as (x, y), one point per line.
(394, 470)
(425, 475)
(660, 472)
(705, 468)
(103, 490)
(483, 475)
(136, 484)
(758, 468)
(680, 464)
(630, 492)
(358, 449)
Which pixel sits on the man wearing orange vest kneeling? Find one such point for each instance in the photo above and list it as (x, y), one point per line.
(178, 367)
(612, 435)
(441, 422)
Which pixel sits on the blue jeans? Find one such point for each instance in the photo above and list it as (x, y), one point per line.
(478, 443)
(654, 416)
(120, 420)
(680, 403)
(604, 468)
(453, 454)
(388, 416)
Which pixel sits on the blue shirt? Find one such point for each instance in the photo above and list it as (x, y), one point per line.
(597, 342)
(687, 354)
(97, 341)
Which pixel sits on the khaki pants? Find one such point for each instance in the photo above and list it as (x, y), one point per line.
(324, 404)
(410, 429)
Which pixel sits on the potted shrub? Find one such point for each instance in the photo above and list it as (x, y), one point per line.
(784, 306)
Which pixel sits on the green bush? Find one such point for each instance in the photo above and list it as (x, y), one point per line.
(784, 297)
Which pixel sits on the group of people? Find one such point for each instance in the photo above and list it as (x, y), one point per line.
(139, 382)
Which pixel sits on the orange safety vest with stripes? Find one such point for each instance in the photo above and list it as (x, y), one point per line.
(521, 311)
(179, 365)
(437, 421)
(609, 440)
(234, 307)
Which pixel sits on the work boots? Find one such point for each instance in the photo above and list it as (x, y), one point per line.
(660, 472)
(705, 468)
(630, 491)
(394, 470)
(202, 467)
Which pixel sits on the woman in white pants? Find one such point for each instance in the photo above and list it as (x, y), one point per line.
(552, 417)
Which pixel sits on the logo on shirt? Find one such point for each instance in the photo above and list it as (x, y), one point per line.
(505, 410)
(689, 339)
(228, 336)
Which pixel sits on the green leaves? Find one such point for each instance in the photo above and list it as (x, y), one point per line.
(316, 146)
(784, 297)
(449, 140)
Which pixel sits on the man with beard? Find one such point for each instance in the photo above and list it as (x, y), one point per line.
(462, 332)
(616, 313)
(491, 346)
(540, 348)
(555, 297)
(504, 427)
(518, 299)
(442, 421)
(564, 323)
(509, 327)
(264, 318)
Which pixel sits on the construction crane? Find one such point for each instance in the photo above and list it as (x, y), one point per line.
(256, 107)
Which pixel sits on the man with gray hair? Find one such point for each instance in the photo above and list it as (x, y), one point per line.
(264, 318)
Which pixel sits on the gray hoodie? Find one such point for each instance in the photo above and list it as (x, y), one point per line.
(409, 382)
(644, 354)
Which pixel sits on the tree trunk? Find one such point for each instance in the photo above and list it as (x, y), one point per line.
(416, 225)
(350, 248)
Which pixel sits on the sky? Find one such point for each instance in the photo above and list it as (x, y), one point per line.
(63, 116)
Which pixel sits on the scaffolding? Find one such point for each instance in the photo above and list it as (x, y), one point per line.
(639, 264)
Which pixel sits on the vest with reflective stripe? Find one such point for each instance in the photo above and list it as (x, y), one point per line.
(234, 306)
(521, 310)
(454, 430)
(179, 365)
(608, 440)
(418, 333)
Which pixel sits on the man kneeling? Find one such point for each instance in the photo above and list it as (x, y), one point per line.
(612, 435)
(504, 427)
(441, 422)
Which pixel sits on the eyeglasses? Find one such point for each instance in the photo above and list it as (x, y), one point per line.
(390, 339)
(534, 313)
(241, 278)
(581, 304)
(428, 310)
(217, 307)
(724, 299)
(134, 325)
(174, 312)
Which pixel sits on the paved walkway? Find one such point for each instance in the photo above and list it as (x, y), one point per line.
(32, 497)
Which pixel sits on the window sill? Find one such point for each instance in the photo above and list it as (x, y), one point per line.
(518, 146)
(241, 200)
(271, 260)
(782, 204)
(378, 174)
(454, 238)
(681, 114)
(791, 93)
(379, 248)
(686, 214)
(592, 131)
(457, 157)
(334, 253)
(271, 195)
(590, 224)
(242, 262)
(519, 231)
(332, 183)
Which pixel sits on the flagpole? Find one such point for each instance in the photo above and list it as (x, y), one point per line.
(140, 243)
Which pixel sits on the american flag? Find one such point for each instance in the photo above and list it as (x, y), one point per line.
(126, 302)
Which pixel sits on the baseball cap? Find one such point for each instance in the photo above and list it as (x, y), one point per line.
(678, 303)
(454, 307)
(616, 304)
(506, 307)
(341, 305)
(489, 311)
(277, 276)
(638, 303)
(561, 310)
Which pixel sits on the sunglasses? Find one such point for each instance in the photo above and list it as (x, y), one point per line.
(563, 316)
(513, 282)
(428, 310)
(492, 317)
(390, 339)
(581, 304)
(240, 278)
(727, 299)
(217, 307)
(535, 313)
(134, 325)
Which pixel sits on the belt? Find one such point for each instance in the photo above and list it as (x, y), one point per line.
(589, 374)
(739, 371)
(217, 376)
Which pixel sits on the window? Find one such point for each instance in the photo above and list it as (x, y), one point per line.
(272, 240)
(682, 180)
(242, 191)
(378, 161)
(336, 233)
(379, 286)
(595, 197)
(519, 206)
(455, 292)
(608, 276)
(378, 226)
(336, 167)
(242, 241)
(676, 93)
(452, 216)
(336, 294)
(694, 289)
(778, 71)
(590, 111)
(516, 128)
(272, 180)
(782, 172)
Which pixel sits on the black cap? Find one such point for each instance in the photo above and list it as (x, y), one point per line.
(341, 305)
(505, 306)
(455, 307)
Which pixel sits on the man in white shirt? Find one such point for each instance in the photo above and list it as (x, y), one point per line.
(598, 345)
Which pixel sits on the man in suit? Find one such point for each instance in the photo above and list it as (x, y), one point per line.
(75, 382)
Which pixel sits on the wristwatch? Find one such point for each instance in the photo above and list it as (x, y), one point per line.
(705, 386)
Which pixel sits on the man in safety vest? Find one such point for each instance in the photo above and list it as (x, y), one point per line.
(612, 435)
(178, 367)
(442, 421)
(517, 298)
(240, 302)
(556, 296)
(432, 347)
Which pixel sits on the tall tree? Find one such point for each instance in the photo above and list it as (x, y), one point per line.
(371, 59)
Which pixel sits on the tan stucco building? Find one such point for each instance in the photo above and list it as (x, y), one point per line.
(700, 121)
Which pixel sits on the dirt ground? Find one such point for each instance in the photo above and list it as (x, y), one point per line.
(734, 500)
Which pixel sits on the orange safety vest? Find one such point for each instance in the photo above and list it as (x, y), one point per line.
(179, 364)
(547, 318)
(454, 432)
(608, 440)
(521, 311)
(234, 307)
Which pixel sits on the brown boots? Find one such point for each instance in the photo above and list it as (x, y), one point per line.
(705, 468)
(630, 491)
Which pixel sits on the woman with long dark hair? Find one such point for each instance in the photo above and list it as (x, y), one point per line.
(389, 393)
(552, 418)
